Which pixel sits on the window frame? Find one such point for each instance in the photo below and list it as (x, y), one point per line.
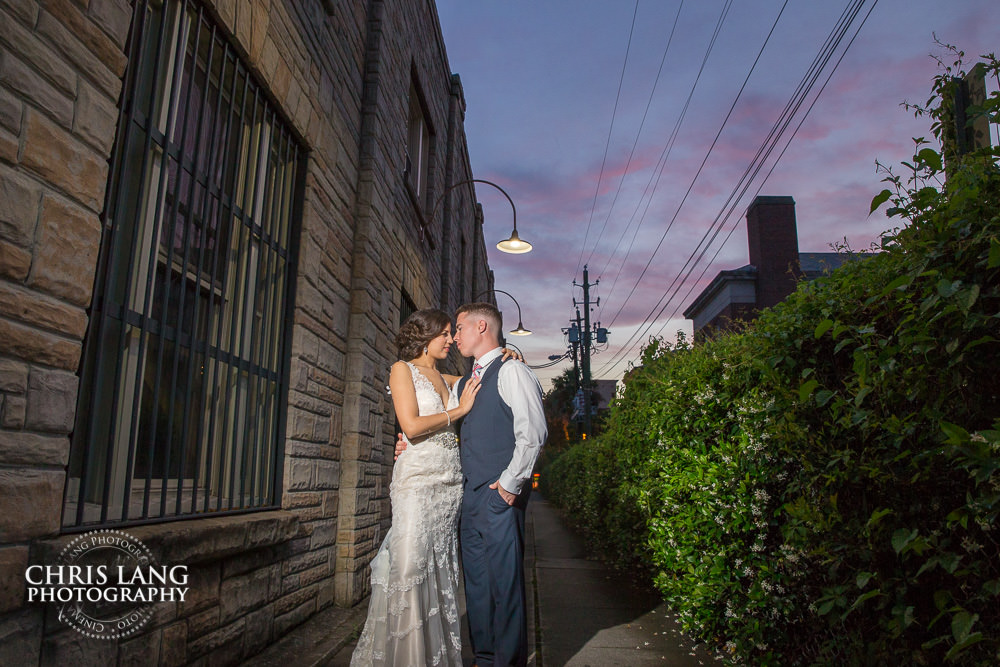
(139, 268)
(419, 147)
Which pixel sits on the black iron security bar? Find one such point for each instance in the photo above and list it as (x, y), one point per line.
(184, 378)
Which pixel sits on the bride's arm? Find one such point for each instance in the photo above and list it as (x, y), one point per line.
(404, 401)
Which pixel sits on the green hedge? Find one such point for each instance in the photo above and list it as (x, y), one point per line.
(822, 487)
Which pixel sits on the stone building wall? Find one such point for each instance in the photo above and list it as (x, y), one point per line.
(60, 78)
(340, 73)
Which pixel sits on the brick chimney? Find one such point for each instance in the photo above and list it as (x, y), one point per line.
(774, 248)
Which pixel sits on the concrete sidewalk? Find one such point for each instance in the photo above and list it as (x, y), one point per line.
(581, 613)
(588, 614)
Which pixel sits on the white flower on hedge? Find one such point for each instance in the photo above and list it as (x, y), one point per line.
(969, 545)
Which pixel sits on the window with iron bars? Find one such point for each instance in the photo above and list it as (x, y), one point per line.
(181, 409)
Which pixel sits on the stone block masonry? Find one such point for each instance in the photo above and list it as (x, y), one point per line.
(53, 174)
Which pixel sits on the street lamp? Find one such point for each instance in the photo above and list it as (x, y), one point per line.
(520, 330)
(515, 244)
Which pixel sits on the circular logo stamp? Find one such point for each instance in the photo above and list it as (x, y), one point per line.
(89, 569)
(106, 584)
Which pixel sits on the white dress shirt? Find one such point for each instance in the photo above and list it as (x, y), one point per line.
(522, 392)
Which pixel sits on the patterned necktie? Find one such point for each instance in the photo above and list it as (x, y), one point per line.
(477, 370)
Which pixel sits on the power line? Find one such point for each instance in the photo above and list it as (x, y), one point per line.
(805, 85)
(607, 144)
(551, 363)
(638, 133)
(777, 131)
(657, 172)
(701, 166)
(786, 115)
(770, 171)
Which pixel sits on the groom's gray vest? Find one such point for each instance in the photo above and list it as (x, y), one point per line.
(487, 436)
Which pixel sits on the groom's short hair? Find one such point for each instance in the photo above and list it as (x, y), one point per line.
(485, 311)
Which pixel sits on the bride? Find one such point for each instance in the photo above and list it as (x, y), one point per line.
(413, 612)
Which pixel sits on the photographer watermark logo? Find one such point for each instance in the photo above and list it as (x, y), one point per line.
(106, 584)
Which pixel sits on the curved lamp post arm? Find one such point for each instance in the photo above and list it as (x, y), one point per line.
(520, 330)
(514, 244)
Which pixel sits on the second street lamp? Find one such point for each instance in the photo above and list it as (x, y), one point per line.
(520, 330)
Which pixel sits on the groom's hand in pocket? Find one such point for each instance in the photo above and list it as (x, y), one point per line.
(507, 496)
(400, 446)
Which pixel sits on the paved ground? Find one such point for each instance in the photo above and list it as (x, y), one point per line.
(582, 614)
(590, 615)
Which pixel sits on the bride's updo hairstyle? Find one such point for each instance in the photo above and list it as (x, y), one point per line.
(419, 329)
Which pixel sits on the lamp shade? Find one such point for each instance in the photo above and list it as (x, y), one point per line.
(520, 330)
(514, 245)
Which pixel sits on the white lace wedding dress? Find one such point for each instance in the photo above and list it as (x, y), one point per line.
(413, 611)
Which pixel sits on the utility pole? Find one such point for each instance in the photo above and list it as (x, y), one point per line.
(585, 342)
(573, 333)
(576, 353)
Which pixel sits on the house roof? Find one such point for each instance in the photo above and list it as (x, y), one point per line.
(746, 273)
(812, 264)
(815, 264)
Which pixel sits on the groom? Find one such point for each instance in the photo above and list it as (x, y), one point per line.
(501, 438)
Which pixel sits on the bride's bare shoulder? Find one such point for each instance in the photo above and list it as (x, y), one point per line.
(400, 370)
